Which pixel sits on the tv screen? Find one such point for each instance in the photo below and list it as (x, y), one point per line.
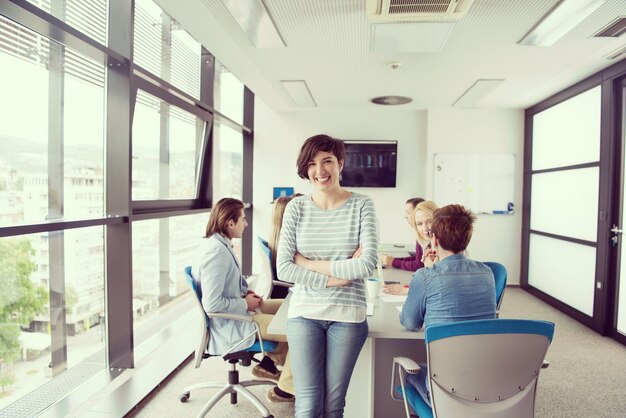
(370, 164)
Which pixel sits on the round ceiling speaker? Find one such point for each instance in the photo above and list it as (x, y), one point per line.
(391, 100)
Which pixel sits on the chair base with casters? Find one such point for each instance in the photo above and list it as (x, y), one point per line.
(245, 357)
(233, 387)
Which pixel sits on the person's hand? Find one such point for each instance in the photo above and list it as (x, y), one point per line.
(335, 282)
(252, 292)
(300, 260)
(395, 289)
(429, 257)
(387, 260)
(358, 252)
(253, 301)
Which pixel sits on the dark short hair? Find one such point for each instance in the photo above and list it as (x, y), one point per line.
(452, 225)
(225, 209)
(315, 144)
(414, 201)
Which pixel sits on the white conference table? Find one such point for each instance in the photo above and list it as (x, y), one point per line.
(368, 394)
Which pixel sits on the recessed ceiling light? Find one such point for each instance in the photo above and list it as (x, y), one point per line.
(391, 100)
(476, 92)
(256, 22)
(299, 92)
(565, 16)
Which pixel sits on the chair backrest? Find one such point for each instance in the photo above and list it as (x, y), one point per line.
(265, 282)
(486, 368)
(500, 275)
(205, 334)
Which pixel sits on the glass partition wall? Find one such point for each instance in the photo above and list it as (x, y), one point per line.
(571, 200)
(106, 183)
(564, 200)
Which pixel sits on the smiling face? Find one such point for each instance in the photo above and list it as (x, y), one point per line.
(324, 170)
(235, 228)
(423, 224)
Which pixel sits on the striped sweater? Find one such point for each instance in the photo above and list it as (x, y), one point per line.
(334, 235)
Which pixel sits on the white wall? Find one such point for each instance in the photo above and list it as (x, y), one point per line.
(496, 237)
(420, 134)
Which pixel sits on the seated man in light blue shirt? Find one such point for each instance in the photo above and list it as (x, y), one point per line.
(454, 289)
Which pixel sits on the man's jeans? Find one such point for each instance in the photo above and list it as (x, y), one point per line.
(323, 354)
(420, 382)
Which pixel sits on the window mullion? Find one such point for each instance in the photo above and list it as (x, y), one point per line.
(56, 174)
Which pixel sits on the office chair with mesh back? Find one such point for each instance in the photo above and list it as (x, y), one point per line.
(244, 357)
(484, 369)
(268, 282)
(500, 276)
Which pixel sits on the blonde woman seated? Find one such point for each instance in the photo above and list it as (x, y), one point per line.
(278, 292)
(423, 217)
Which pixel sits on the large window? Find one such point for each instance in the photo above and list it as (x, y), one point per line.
(165, 150)
(53, 123)
(162, 47)
(52, 137)
(228, 142)
(228, 94)
(162, 248)
(34, 269)
(105, 188)
(228, 162)
(89, 17)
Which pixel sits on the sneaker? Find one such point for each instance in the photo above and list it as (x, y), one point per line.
(272, 396)
(260, 373)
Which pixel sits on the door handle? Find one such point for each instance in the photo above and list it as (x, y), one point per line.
(616, 233)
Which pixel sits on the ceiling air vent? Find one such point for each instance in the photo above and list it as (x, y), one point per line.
(416, 10)
(614, 29)
(391, 100)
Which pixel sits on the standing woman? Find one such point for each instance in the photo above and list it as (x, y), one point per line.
(425, 256)
(326, 326)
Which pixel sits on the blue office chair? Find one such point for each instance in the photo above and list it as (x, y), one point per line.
(486, 368)
(500, 275)
(245, 356)
(268, 283)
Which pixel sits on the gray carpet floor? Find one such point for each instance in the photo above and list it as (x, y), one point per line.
(586, 377)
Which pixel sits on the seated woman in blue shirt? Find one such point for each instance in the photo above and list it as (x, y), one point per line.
(454, 289)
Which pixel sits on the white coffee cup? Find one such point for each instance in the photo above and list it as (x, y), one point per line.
(374, 286)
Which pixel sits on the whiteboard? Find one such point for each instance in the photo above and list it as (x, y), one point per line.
(484, 183)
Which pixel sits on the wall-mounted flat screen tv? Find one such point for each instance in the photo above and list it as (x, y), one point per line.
(370, 164)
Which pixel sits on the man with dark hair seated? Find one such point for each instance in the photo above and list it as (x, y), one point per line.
(454, 289)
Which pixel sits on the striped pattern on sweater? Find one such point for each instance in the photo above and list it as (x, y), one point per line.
(332, 235)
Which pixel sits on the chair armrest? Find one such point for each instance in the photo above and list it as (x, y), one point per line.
(245, 318)
(545, 364)
(280, 283)
(405, 365)
(409, 365)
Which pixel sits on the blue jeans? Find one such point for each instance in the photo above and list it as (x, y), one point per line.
(420, 382)
(323, 354)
